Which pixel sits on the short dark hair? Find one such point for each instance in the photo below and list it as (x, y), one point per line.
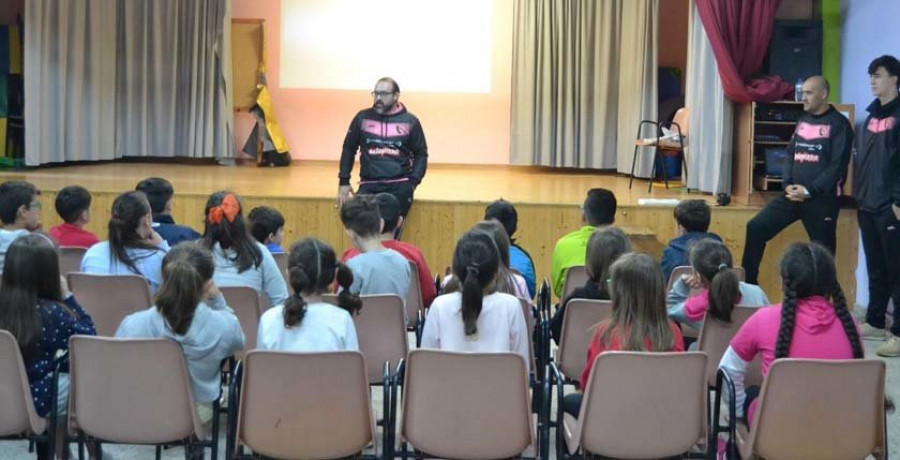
(395, 87)
(504, 212)
(158, 190)
(72, 201)
(890, 63)
(389, 209)
(264, 221)
(600, 207)
(13, 195)
(693, 215)
(360, 215)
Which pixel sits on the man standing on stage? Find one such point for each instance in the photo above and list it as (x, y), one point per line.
(814, 172)
(393, 152)
(876, 186)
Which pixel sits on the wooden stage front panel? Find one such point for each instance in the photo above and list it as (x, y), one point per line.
(449, 201)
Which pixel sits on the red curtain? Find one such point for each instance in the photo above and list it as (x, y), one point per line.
(739, 31)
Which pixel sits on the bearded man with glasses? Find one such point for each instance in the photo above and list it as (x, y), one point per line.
(391, 145)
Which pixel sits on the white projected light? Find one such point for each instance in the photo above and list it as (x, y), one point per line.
(426, 45)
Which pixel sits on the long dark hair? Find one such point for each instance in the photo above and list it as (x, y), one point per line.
(128, 210)
(807, 269)
(712, 260)
(476, 264)
(312, 266)
(604, 247)
(230, 232)
(506, 283)
(185, 270)
(639, 305)
(30, 279)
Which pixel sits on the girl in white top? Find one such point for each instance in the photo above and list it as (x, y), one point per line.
(304, 322)
(507, 280)
(240, 259)
(133, 248)
(477, 319)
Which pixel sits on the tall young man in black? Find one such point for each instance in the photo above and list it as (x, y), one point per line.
(392, 148)
(818, 155)
(876, 186)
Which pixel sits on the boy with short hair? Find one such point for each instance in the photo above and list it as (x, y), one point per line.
(267, 226)
(160, 194)
(73, 204)
(390, 209)
(693, 218)
(519, 260)
(377, 270)
(20, 212)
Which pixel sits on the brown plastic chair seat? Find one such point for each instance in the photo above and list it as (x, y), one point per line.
(18, 416)
(110, 298)
(305, 405)
(467, 405)
(245, 302)
(580, 317)
(70, 259)
(576, 276)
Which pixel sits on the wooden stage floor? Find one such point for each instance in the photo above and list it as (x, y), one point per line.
(450, 200)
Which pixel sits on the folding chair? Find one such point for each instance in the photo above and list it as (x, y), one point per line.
(110, 298)
(303, 405)
(482, 411)
(637, 405)
(18, 418)
(134, 391)
(576, 276)
(814, 408)
(680, 123)
(70, 259)
(245, 302)
(578, 327)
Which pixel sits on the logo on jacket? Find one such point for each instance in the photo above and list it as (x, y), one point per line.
(806, 158)
(811, 131)
(880, 125)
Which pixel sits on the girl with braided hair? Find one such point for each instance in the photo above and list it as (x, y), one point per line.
(811, 322)
(479, 318)
(305, 322)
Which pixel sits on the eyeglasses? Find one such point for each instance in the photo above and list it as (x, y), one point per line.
(382, 93)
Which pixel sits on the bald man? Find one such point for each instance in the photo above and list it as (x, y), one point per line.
(814, 172)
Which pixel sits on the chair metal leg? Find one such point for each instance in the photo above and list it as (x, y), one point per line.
(633, 164)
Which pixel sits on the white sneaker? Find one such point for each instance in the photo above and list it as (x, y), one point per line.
(869, 332)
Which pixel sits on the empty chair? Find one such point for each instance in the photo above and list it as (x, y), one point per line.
(381, 333)
(715, 336)
(466, 405)
(639, 405)
(18, 418)
(578, 322)
(304, 405)
(70, 259)
(110, 298)
(576, 276)
(822, 409)
(414, 302)
(133, 391)
(245, 302)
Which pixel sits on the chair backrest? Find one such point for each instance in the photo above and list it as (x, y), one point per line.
(131, 391)
(70, 259)
(466, 405)
(281, 260)
(823, 409)
(381, 333)
(305, 405)
(643, 405)
(682, 118)
(110, 298)
(576, 276)
(18, 414)
(414, 302)
(245, 302)
(578, 327)
(715, 336)
(529, 324)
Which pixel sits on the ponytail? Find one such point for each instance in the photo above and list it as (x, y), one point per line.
(724, 292)
(295, 305)
(347, 300)
(471, 300)
(181, 291)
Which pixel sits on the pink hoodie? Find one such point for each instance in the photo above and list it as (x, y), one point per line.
(818, 334)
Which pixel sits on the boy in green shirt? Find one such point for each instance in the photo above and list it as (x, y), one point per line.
(599, 209)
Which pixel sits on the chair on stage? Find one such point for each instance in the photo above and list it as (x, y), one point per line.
(663, 145)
